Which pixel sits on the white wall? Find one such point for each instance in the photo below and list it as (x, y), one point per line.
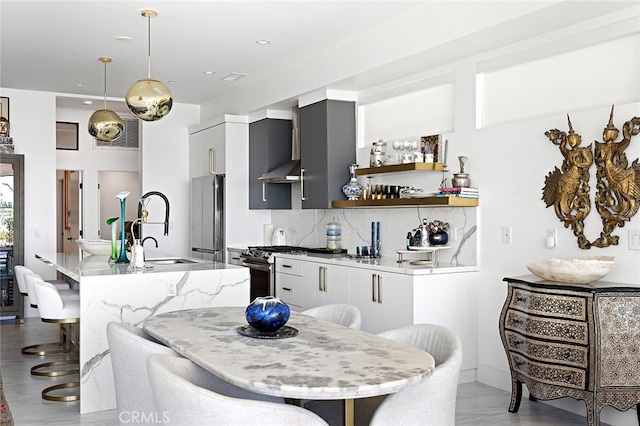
(91, 161)
(165, 168)
(33, 129)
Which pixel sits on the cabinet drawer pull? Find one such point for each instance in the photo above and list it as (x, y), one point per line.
(284, 265)
(302, 196)
(373, 288)
(287, 289)
(322, 278)
(235, 258)
(264, 192)
(380, 289)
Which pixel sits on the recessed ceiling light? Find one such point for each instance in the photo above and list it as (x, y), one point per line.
(123, 38)
(79, 85)
(171, 82)
(263, 41)
(87, 103)
(233, 76)
(209, 72)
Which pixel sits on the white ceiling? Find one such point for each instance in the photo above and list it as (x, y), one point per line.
(54, 45)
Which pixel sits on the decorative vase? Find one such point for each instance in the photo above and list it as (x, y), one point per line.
(352, 189)
(438, 238)
(114, 241)
(123, 238)
(461, 179)
(267, 314)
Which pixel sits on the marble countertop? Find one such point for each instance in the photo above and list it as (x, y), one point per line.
(75, 265)
(323, 361)
(383, 264)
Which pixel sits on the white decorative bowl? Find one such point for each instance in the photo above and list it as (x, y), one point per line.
(95, 246)
(572, 271)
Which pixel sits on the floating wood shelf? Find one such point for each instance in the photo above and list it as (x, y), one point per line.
(407, 167)
(450, 201)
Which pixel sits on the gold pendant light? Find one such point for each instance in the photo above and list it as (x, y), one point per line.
(149, 99)
(105, 125)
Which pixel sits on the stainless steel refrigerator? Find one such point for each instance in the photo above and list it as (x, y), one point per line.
(207, 218)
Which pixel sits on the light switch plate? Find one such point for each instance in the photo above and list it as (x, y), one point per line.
(634, 239)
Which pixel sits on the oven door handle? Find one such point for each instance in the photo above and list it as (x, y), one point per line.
(265, 268)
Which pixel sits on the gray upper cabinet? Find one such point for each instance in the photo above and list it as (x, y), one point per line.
(269, 147)
(327, 148)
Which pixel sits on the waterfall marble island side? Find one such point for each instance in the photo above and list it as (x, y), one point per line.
(117, 293)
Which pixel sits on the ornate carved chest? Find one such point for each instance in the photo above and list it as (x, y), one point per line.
(577, 340)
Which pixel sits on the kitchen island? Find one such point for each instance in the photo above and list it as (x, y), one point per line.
(116, 292)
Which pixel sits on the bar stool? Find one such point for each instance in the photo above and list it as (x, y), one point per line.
(55, 309)
(25, 284)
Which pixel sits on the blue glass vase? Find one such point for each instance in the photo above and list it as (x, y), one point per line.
(267, 314)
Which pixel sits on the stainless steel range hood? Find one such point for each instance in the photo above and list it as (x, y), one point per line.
(288, 172)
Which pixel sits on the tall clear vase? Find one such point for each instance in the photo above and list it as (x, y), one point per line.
(123, 237)
(114, 241)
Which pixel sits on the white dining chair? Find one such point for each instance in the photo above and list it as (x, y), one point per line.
(431, 402)
(180, 387)
(347, 315)
(129, 348)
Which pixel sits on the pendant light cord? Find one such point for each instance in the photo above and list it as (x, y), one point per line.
(149, 45)
(105, 85)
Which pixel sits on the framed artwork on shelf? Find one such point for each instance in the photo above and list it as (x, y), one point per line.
(66, 135)
(4, 108)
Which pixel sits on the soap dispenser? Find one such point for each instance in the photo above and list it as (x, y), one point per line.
(137, 254)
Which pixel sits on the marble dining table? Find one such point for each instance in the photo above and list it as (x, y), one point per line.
(323, 361)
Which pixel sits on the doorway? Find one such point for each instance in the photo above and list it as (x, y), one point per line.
(69, 207)
(109, 184)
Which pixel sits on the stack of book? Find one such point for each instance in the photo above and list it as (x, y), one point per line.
(458, 191)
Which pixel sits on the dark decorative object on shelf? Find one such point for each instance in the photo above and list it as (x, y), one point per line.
(267, 314)
(438, 238)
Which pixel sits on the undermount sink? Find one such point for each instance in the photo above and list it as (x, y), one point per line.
(169, 260)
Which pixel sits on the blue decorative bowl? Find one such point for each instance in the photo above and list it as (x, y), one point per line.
(267, 314)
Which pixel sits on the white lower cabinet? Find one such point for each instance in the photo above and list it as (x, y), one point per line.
(288, 285)
(385, 299)
(324, 284)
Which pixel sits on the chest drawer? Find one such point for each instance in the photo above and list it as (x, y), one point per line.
(547, 328)
(289, 266)
(545, 351)
(556, 305)
(559, 375)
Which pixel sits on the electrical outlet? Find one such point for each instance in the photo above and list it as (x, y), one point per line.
(506, 235)
(552, 237)
(172, 287)
(454, 234)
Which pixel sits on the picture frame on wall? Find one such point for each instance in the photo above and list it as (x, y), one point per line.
(4, 108)
(66, 135)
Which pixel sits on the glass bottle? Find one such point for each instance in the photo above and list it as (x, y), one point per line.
(334, 235)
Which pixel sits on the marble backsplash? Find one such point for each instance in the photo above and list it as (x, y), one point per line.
(308, 228)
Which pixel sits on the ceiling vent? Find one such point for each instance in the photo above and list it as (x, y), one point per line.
(130, 137)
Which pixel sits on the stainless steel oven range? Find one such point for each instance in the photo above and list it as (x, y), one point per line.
(259, 259)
